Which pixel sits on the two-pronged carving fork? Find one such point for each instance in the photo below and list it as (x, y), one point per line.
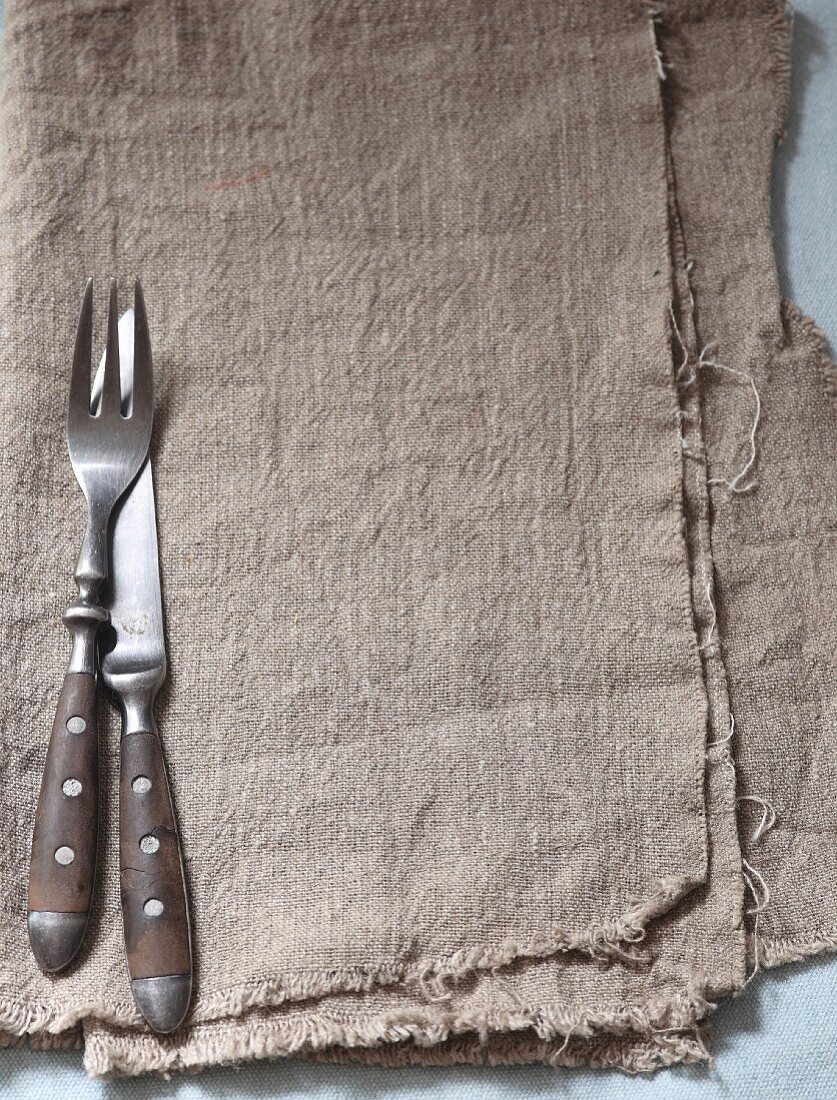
(107, 450)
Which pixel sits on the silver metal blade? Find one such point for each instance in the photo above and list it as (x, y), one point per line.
(134, 602)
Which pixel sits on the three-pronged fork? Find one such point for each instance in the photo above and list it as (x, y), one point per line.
(106, 450)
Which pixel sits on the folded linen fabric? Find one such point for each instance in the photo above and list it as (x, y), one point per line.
(773, 564)
(461, 590)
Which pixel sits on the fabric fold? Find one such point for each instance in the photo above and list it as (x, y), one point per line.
(764, 384)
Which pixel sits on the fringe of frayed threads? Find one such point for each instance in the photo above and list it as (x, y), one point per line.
(432, 979)
(436, 979)
(686, 374)
(638, 1037)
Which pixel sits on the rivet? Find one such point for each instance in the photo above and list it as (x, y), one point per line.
(141, 784)
(153, 907)
(76, 724)
(64, 855)
(71, 788)
(149, 844)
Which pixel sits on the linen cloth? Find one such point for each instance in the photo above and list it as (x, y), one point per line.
(775, 581)
(431, 598)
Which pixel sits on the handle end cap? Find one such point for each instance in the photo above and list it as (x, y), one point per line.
(163, 1001)
(55, 938)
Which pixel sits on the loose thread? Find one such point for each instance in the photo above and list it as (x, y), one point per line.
(754, 879)
(432, 987)
(756, 951)
(676, 329)
(751, 876)
(682, 416)
(707, 643)
(724, 740)
(555, 1058)
(705, 360)
(768, 817)
(723, 756)
(686, 377)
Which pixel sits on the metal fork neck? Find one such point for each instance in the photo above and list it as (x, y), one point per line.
(84, 618)
(92, 566)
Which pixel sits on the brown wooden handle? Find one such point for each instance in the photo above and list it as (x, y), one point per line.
(62, 869)
(154, 907)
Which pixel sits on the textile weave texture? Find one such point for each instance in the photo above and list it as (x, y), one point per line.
(474, 548)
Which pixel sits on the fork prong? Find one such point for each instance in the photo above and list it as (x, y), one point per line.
(143, 401)
(111, 389)
(79, 400)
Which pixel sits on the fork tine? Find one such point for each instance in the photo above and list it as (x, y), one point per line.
(111, 389)
(79, 401)
(143, 403)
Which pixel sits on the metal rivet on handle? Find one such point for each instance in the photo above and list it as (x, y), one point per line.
(64, 855)
(141, 784)
(153, 907)
(149, 844)
(76, 724)
(71, 788)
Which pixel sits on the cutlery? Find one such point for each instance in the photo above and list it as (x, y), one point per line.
(107, 450)
(132, 658)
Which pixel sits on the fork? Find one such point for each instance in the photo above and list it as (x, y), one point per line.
(106, 451)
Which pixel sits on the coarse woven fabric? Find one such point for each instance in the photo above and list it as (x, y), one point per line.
(430, 596)
(775, 567)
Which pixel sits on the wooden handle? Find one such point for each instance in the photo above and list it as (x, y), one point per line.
(154, 908)
(62, 870)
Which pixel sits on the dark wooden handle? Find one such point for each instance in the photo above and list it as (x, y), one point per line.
(62, 870)
(154, 907)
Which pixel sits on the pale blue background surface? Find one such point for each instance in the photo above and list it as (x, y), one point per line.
(777, 1041)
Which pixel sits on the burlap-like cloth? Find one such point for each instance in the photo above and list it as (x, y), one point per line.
(494, 483)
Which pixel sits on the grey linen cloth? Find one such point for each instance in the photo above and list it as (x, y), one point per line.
(457, 357)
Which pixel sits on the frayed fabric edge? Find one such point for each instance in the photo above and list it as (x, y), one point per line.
(792, 316)
(430, 979)
(780, 40)
(777, 951)
(633, 1055)
(604, 941)
(637, 1037)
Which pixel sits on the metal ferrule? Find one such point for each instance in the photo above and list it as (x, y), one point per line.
(83, 621)
(135, 693)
